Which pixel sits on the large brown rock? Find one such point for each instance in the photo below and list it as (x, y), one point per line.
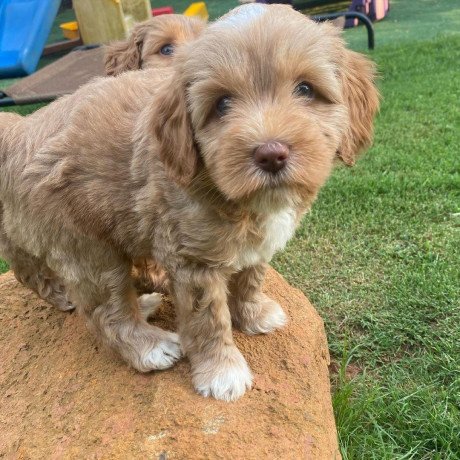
(63, 397)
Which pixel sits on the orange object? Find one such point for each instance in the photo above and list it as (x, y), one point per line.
(70, 30)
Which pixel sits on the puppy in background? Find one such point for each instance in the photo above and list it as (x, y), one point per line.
(152, 43)
(208, 172)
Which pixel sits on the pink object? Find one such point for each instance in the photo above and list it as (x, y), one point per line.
(375, 10)
(162, 10)
(380, 9)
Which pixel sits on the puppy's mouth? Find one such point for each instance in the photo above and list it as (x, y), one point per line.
(275, 194)
(275, 175)
(272, 168)
(269, 189)
(273, 180)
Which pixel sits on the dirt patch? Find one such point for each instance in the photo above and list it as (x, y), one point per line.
(64, 397)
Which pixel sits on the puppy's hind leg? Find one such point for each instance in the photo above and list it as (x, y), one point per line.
(33, 273)
(120, 322)
(252, 311)
(36, 275)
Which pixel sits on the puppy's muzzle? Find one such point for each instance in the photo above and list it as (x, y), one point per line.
(271, 156)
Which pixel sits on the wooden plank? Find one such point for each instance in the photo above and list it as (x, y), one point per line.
(139, 10)
(100, 21)
(61, 46)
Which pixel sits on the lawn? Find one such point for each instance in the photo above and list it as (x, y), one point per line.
(379, 257)
(379, 253)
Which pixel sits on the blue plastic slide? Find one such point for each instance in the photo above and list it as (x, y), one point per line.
(24, 28)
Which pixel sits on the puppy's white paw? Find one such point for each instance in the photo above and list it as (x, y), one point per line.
(163, 355)
(271, 317)
(149, 304)
(226, 379)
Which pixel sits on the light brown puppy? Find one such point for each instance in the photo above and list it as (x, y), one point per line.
(209, 173)
(152, 43)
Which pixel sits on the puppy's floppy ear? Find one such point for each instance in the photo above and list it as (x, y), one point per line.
(125, 55)
(173, 129)
(362, 100)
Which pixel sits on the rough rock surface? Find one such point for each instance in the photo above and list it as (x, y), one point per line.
(61, 396)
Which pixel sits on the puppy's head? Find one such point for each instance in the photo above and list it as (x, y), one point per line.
(264, 101)
(152, 43)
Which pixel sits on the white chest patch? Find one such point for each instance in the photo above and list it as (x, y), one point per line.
(279, 229)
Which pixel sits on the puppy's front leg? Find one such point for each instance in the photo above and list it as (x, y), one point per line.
(252, 311)
(218, 367)
(120, 321)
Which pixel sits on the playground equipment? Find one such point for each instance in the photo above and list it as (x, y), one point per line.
(358, 11)
(103, 21)
(350, 15)
(70, 30)
(61, 77)
(24, 29)
(198, 9)
(162, 10)
(375, 10)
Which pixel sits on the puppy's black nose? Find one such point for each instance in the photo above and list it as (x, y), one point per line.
(271, 156)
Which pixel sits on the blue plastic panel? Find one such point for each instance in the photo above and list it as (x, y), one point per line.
(24, 28)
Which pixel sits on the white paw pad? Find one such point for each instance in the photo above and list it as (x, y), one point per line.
(274, 319)
(270, 319)
(166, 352)
(227, 380)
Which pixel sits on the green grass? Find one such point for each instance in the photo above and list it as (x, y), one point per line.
(379, 253)
(3, 266)
(411, 21)
(379, 257)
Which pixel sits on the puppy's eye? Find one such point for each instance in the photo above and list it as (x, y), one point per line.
(304, 90)
(223, 105)
(167, 50)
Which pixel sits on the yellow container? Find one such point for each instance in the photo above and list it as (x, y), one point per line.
(197, 9)
(70, 30)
